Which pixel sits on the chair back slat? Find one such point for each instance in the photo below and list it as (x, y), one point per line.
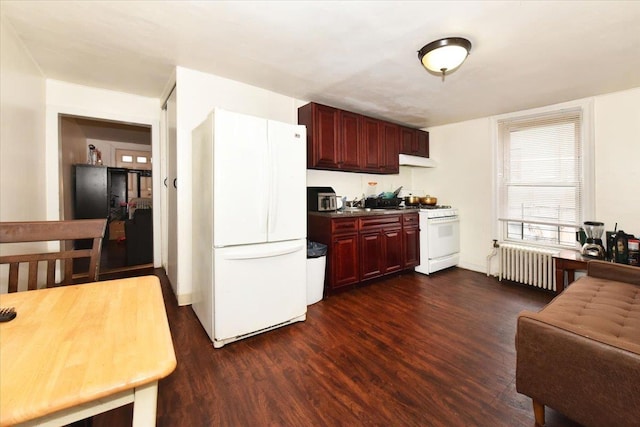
(13, 276)
(33, 275)
(51, 273)
(47, 231)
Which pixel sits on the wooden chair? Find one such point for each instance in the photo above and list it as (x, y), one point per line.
(46, 231)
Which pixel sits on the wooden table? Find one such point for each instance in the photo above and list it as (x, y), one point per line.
(569, 261)
(76, 351)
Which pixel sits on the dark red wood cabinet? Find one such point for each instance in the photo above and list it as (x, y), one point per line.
(341, 237)
(371, 252)
(390, 145)
(344, 260)
(414, 142)
(411, 240)
(323, 130)
(380, 245)
(370, 146)
(365, 247)
(347, 141)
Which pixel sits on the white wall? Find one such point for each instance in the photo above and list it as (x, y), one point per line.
(22, 148)
(198, 93)
(352, 185)
(70, 99)
(617, 160)
(463, 177)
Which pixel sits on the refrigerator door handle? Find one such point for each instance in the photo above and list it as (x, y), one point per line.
(256, 254)
(273, 186)
(267, 189)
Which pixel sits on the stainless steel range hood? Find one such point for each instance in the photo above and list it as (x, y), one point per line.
(422, 162)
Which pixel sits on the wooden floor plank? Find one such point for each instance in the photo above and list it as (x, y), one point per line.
(412, 350)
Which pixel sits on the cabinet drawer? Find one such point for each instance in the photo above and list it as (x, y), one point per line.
(411, 219)
(342, 226)
(378, 222)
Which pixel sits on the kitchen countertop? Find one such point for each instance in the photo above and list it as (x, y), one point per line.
(363, 212)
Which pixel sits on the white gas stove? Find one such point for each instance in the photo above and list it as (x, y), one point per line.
(439, 238)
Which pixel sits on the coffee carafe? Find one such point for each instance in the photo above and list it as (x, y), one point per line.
(593, 246)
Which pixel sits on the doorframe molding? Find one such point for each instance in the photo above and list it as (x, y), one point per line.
(52, 159)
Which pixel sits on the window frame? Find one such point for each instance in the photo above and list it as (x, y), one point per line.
(587, 167)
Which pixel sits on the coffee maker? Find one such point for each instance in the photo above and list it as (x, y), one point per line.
(593, 246)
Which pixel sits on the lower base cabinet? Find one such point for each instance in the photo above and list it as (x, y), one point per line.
(371, 250)
(411, 241)
(365, 247)
(343, 255)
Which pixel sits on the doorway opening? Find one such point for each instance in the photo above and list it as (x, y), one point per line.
(106, 172)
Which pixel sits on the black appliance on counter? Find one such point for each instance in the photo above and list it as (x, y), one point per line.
(321, 199)
(382, 203)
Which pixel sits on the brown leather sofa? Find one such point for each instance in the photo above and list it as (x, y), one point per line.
(581, 353)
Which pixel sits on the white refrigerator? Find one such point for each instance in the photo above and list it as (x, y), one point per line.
(249, 225)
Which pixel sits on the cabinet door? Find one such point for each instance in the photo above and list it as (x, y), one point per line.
(407, 140)
(349, 141)
(323, 151)
(392, 250)
(390, 144)
(411, 247)
(422, 142)
(414, 142)
(371, 149)
(371, 255)
(344, 261)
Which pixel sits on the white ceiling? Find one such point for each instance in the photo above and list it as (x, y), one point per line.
(357, 55)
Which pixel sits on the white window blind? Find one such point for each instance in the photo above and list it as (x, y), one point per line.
(540, 177)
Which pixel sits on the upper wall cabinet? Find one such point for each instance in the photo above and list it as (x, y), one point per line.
(414, 142)
(333, 137)
(390, 143)
(350, 142)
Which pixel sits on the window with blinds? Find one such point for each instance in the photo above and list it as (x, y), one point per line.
(540, 178)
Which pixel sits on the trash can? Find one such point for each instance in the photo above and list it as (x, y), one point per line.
(316, 262)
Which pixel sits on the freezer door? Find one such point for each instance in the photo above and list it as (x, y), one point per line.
(240, 179)
(288, 182)
(258, 286)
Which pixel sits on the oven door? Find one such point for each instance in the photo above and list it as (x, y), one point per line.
(444, 236)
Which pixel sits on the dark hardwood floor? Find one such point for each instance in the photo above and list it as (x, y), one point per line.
(411, 350)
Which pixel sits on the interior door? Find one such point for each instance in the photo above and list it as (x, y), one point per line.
(172, 190)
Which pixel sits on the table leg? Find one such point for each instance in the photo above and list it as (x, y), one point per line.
(144, 405)
(559, 277)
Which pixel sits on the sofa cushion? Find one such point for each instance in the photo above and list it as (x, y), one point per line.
(603, 310)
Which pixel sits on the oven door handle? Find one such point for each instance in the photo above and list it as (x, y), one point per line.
(444, 220)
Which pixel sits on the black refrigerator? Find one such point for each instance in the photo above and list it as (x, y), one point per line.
(98, 193)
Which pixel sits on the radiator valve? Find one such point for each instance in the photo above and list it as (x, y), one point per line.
(495, 243)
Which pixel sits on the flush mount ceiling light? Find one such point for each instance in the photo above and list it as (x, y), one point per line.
(444, 55)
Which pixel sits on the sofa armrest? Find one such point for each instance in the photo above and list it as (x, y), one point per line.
(591, 382)
(612, 271)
